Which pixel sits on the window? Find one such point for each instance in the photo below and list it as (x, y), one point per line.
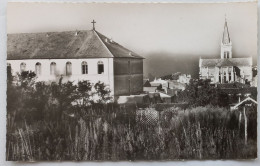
(68, 68)
(38, 68)
(229, 75)
(53, 68)
(100, 67)
(129, 67)
(84, 67)
(219, 77)
(226, 54)
(225, 77)
(9, 70)
(22, 66)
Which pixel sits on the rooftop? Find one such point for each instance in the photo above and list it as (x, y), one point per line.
(226, 62)
(64, 45)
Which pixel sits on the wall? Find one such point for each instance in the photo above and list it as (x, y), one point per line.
(92, 76)
(128, 76)
(214, 73)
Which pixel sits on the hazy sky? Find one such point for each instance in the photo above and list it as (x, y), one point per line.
(158, 30)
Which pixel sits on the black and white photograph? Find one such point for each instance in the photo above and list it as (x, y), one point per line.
(131, 81)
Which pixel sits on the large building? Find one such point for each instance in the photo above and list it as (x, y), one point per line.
(76, 55)
(226, 69)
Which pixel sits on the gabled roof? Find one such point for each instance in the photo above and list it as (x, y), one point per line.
(247, 99)
(226, 62)
(64, 45)
(146, 84)
(116, 49)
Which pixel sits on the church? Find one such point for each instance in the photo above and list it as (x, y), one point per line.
(226, 69)
(75, 56)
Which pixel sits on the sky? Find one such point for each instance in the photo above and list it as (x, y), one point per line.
(171, 37)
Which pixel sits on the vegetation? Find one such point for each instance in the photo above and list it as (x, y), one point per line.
(67, 121)
(202, 93)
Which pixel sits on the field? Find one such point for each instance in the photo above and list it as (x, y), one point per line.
(126, 132)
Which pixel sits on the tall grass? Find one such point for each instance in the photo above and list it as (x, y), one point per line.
(128, 133)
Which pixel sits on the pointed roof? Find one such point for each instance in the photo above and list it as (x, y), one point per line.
(247, 99)
(225, 38)
(64, 45)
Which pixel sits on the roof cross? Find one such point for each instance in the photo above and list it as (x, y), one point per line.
(93, 22)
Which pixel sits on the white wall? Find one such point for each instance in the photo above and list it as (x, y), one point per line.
(107, 77)
(213, 72)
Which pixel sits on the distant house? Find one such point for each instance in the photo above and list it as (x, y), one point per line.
(152, 86)
(76, 55)
(159, 82)
(165, 98)
(173, 84)
(184, 78)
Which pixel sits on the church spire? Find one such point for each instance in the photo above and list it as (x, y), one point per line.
(226, 44)
(226, 38)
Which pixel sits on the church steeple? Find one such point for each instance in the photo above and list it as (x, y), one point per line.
(226, 44)
(226, 38)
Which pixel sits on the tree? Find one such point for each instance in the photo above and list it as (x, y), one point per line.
(26, 79)
(202, 93)
(84, 93)
(64, 94)
(102, 92)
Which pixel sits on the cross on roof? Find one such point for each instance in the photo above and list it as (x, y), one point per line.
(93, 22)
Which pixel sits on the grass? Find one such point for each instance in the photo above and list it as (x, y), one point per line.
(128, 133)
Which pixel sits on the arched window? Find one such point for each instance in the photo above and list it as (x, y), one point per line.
(219, 77)
(225, 77)
(84, 67)
(226, 54)
(22, 66)
(100, 67)
(38, 68)
(68, 68)
(53, 68)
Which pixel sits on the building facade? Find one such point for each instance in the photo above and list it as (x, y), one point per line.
(226, 69)
(75, 56)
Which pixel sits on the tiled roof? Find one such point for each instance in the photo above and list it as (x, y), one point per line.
(116, 49)
(226, 62)
(63, 45)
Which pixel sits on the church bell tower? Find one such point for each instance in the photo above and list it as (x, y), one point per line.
(226, 44)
